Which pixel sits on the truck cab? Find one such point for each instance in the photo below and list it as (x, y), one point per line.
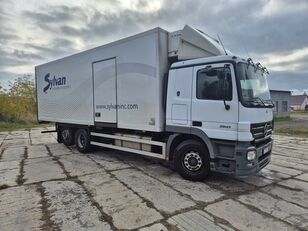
(224, 101)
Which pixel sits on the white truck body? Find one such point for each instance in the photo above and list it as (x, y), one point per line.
(102, 78)
(120, 83)
(161, 94)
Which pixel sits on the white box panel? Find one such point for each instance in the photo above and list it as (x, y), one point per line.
(65, 87)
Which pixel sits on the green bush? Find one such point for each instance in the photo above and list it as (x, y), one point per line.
(18, 102)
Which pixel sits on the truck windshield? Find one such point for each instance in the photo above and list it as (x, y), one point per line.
(253, 84)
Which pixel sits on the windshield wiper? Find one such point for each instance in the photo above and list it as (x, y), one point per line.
(266, 103)
(254, 101)
(271, 103)
(261, 102)
(258, 98)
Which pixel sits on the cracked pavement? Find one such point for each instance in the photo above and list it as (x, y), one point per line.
(47, 186)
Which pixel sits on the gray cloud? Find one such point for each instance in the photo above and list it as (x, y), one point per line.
(7, 36)
(58, 14)
(21, 54)
(243, 26)
(57, 48)
(274, 34)
(71, 31)
(288, 80)
(8, 59)
(53, 19)
(300, 64)
(6, 33)
(105, 24)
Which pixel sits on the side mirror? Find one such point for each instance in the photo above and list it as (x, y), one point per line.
(225, 73)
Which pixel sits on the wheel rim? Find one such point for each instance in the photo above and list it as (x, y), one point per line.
(81, 140)
(66, 135)
(192, 161)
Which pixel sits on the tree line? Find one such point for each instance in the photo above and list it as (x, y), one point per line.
(18, 101)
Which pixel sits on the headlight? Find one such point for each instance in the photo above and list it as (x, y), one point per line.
(251, 155)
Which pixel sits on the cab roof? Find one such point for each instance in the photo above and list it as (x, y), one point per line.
(212, 59)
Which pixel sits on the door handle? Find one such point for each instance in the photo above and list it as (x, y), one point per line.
(197, 123)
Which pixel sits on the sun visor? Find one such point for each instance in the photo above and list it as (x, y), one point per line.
(191, 43)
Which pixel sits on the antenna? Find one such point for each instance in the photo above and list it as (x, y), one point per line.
(247, 53)
(222, 44)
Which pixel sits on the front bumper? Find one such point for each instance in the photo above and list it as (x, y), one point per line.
(243, 167)
(237, 164)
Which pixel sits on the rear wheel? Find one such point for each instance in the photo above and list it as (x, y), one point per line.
(82, 140)
(192, 160)
(67, 136)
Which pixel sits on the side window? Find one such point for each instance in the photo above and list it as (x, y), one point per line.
(210, 84)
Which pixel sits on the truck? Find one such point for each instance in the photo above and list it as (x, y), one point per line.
(177, 96)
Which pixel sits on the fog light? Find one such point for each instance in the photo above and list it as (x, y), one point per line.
(249, 165)
(251, 155)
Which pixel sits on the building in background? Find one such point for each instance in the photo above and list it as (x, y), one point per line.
(282, 101)
(299, 102)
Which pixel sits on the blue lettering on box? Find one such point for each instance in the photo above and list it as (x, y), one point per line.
(54, 82)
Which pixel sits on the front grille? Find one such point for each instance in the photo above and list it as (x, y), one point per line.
(262, 131)
(264, 156)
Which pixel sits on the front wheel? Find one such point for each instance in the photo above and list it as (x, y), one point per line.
(82, 140)
(192, 160)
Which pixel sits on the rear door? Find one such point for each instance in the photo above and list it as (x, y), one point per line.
(105, 95)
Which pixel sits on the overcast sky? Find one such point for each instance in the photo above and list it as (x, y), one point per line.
(273, 32)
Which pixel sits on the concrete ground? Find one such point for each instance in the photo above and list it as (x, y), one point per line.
(47, 186)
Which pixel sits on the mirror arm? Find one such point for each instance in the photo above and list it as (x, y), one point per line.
(227, 106)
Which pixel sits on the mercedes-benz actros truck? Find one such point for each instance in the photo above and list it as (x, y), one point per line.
(178, 96)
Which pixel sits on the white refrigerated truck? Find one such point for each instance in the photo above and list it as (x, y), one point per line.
(178, 96)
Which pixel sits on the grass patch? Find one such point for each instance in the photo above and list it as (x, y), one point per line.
(299, 112)
(20, 180)
(3, 186)
(55, 158)
(282, 118)
(300, 131)
(21, 125)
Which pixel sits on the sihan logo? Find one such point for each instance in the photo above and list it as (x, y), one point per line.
(56, 83)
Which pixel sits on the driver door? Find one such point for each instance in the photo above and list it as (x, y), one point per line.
(208, 111)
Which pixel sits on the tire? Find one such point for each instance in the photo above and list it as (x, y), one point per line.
(67, 136)
(82, 140)
(192, 160)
